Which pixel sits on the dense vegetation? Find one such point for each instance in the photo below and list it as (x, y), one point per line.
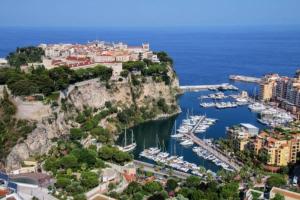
(12, 130)
(41, 80)
(25, 55)
(69, 158)
(192, 188)
(89, 124)
(158, 71)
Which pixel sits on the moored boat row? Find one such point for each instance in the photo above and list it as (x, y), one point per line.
(176, 162)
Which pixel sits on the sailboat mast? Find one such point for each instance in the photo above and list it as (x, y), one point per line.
(125, 139)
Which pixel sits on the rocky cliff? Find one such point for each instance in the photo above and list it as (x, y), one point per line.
(93, 93)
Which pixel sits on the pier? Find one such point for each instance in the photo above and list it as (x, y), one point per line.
(242, 78)
(216, 152)
(222, 86)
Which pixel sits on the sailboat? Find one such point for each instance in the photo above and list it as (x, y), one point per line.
(176, 135)
(130, 147)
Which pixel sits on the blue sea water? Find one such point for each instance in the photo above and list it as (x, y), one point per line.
(201, 56)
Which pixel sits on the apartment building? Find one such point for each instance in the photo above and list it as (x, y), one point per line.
(240, 135)
(266, 86)
(282, 149)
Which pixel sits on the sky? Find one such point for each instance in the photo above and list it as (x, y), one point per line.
(148, 13)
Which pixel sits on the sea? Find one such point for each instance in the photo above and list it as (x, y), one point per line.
(202, 55)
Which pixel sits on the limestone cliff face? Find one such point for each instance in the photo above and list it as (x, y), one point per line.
(92, 93)
(39, 141)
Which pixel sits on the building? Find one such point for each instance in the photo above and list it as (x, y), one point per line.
(252, 130)
(240, 135)
(80, 55)
(284, 90)
(266, 87)
(282, 149)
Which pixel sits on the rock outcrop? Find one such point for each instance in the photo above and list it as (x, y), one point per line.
(39, 141)
(92, 93)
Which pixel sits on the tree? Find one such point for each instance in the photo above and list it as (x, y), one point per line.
(278, 197)
(230, 191)
(152, 187)
(111, 186)
(276, 180)
(171, 184)
(138, 196)
(163, 57)
(89, 179)
(76, 133)
(196, 194)
(124, 73)
(79, 197)
(133, 187)
(263, 156)
(193, 181)
(68, 161)
(157, 196)
(62, 182)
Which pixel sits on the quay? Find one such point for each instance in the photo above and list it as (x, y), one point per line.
(164, 172)
(216, 152)
(222, 86)
(242, 78)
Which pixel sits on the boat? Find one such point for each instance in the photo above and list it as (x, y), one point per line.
(130, 147)
(256, 107)
(187, 142)
(176, 135)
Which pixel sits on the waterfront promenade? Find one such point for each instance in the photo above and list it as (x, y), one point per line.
(213, 150)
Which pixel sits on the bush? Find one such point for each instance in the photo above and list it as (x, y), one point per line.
(133, 65)
(62, 182)
(89, 179)
(152, 187)
(276, 180)
(76, 134)
(68, 161)
(161, 103)
(124, 73)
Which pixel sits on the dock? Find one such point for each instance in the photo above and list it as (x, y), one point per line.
(242, 78)
(222, 86)
(216, 152)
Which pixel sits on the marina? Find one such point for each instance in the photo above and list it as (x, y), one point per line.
(271, 116)
(220, 87)
(238, 100)
(204, 148)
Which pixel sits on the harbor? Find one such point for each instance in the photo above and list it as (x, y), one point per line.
(219, 102)
(186, 135)
(145, 135)
(212, 150)
(196, 88)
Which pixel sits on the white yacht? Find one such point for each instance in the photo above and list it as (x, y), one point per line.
(187, 142)
(130, 147)
(256, 107)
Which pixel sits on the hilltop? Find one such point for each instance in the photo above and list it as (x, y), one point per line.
(93, 103)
